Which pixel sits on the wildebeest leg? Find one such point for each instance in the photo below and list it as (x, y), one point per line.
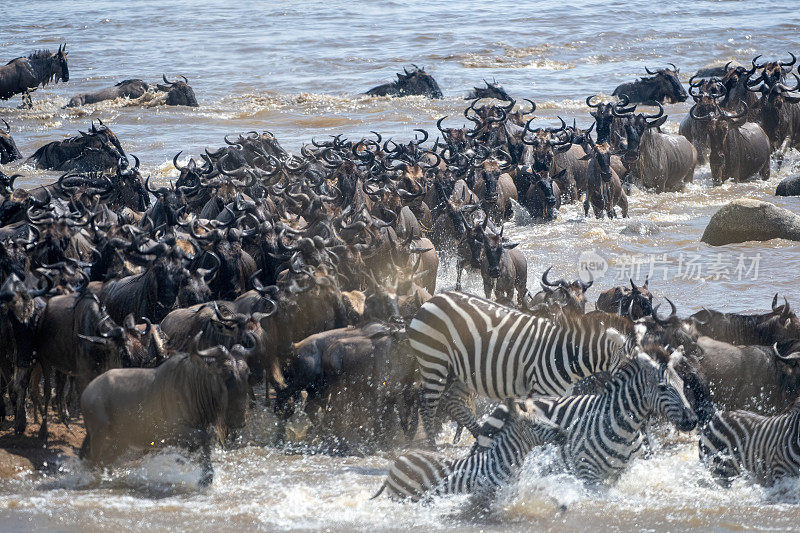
(586, 204)
(459, 269)
(60, 398)
(623, 204)
(764, 172)
(46, 392)
(488, 287)
(205, 461)
(22, 378)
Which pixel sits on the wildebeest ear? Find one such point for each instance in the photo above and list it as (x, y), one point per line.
(130, 322)
(509, 245)
(563, 171)
(658, 123)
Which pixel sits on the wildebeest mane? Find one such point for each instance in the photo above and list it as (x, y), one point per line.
(203, 397)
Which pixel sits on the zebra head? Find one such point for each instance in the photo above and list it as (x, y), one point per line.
(664, 391)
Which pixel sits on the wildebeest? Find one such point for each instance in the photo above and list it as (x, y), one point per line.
(543, 197)
(179, 92)
(634, 302)
(603, 186)
(764, 329)
(559, 295)
(780, 116)
(662, 86)
(133, 88)
(503, 268)
(76, 336)
(182, 402)
(414, 83)
(761, 378)
(656, 160)
(707, 95)
(8, 148)
(24, 74)
(96, 150)
(367, 372)
(737, 149)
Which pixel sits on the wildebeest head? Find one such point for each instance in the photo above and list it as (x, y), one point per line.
(493, 247)
(636, 127)
(664, 81)
(418, 82)
(8, 148)
(601, 154)
(492, 90)
(231, 368)
(774, 71)
(54, 65)
(636, 302)
(773, 99)
(565, 295)
(129, 187)
(381, 303)
(179, 92)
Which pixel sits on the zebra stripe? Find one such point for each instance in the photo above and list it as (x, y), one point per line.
(493, 461)
(765, 447)
(502, 353)
(604, 431)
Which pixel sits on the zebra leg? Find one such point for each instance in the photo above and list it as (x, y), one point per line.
(454, 403)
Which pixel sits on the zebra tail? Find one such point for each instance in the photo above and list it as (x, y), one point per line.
(380, 491)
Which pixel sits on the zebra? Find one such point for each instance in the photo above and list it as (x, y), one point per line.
(765, 447)
(604, 431)
(502, 353)
(493, 461)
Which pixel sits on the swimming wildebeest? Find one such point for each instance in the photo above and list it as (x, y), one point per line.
(95, 150)
(134, 88)
(492, 90)
(182, 402)
(24, 74)
(414, 83)
(179, 92)
(8, 148)
(662, 86)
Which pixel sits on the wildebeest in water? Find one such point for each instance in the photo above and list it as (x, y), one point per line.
(95, 150)
(8, 148)
(181, 402)
(134, 88)
(414, 83)
(24, 74)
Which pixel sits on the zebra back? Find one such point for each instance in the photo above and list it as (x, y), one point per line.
(765, 447)
(503, 353)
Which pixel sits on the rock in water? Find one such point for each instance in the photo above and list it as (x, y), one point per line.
(641, 227)
(751, 220)
(789, 187)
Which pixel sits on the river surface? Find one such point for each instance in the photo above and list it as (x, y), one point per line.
(296, 69)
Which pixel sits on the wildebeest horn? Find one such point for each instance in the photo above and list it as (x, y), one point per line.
(589, 101)
(790, 63)
(185, 80)
(533, 106)
(664, 321)
(586, 286)
(164, 77)
(649, 71)
(8, 128)
(775, 302)
(175, 161)
(791, 357)
(657, 115)
(558, 283)
(693, 113)
(674, 68)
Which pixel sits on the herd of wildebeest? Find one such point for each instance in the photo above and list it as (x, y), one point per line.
(154, 311)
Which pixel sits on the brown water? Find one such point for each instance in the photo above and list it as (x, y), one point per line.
(296, 69)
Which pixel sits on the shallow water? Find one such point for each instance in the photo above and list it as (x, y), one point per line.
(296, 69)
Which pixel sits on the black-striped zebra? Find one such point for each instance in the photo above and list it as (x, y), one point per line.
(501, 353)
(765, 447)
(604, 431)
(495, 459)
